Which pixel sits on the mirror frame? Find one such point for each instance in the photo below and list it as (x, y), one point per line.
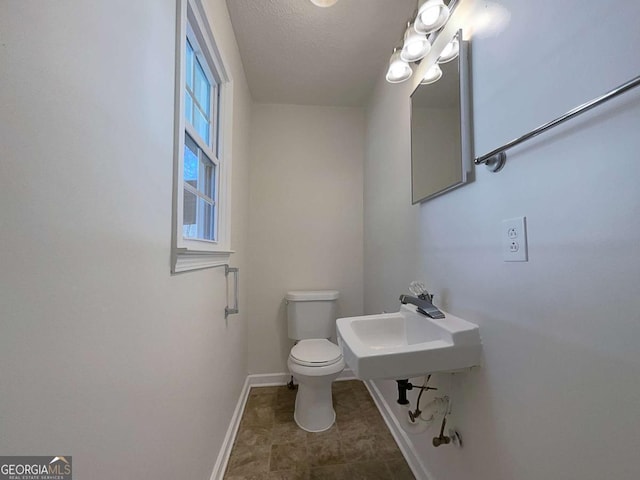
(466, 131)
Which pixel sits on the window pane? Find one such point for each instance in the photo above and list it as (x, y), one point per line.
(198, 218)
(216, 120)
(207, 220)
(201, 125)
(191, 163)
(189, 66)
(199, 211)
(209, 178)
(188, 107)
(202, 90)
(199, 171)
(189, 216)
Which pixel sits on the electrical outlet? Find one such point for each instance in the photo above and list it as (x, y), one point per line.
(514, 240)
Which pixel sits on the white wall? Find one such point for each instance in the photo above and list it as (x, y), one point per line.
(558, 394)
(306, 217)
(103, 354)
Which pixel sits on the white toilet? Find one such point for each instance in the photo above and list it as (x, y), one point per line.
(314, 361)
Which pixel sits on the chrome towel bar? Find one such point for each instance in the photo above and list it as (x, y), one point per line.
(236, 271)
(496, 159)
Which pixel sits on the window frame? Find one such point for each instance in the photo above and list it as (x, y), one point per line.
(189, 253)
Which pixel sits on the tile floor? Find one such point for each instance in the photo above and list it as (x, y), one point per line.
(270, 446)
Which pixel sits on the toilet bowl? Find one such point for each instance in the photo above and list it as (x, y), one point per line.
(315, 364)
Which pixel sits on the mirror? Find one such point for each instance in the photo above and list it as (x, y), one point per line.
(441, 131)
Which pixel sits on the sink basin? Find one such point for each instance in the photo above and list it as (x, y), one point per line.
(407, 344)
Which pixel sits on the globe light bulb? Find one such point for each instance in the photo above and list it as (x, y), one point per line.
(398, 70)
(433, 75)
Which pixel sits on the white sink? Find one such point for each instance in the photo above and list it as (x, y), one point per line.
(407, 344)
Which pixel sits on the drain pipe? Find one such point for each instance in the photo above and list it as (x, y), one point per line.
(403, 386)
(407, 423)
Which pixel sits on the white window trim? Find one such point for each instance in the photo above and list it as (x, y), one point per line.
(190, 254)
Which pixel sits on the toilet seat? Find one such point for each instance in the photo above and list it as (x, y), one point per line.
(316, 352)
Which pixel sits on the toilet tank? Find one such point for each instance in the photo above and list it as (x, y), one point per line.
(311, 313)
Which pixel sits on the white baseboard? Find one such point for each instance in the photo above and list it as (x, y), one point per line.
(256, 380)
(402, 438)
(230, 437)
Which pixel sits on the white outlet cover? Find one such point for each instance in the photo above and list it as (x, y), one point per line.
(513, 233)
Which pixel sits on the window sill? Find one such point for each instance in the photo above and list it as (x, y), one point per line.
(186, 260)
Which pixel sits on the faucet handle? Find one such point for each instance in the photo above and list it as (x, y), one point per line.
(417, 288)
(420, 291)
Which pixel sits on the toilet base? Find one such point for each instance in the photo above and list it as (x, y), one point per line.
(314, 408)
(314, 403)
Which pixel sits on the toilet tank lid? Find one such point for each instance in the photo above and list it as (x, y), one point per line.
(311, 295)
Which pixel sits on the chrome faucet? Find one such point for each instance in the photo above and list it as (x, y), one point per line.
(424, 305)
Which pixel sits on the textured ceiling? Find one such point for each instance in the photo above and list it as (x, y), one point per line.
(294, 52)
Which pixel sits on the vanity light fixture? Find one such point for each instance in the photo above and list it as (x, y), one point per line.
(451, 51)
(432, 15)
(429, 16)
(399, 70)
(324, 3)
(433, 75)
(415, 47)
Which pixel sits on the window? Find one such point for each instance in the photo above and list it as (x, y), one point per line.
(203, 137)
